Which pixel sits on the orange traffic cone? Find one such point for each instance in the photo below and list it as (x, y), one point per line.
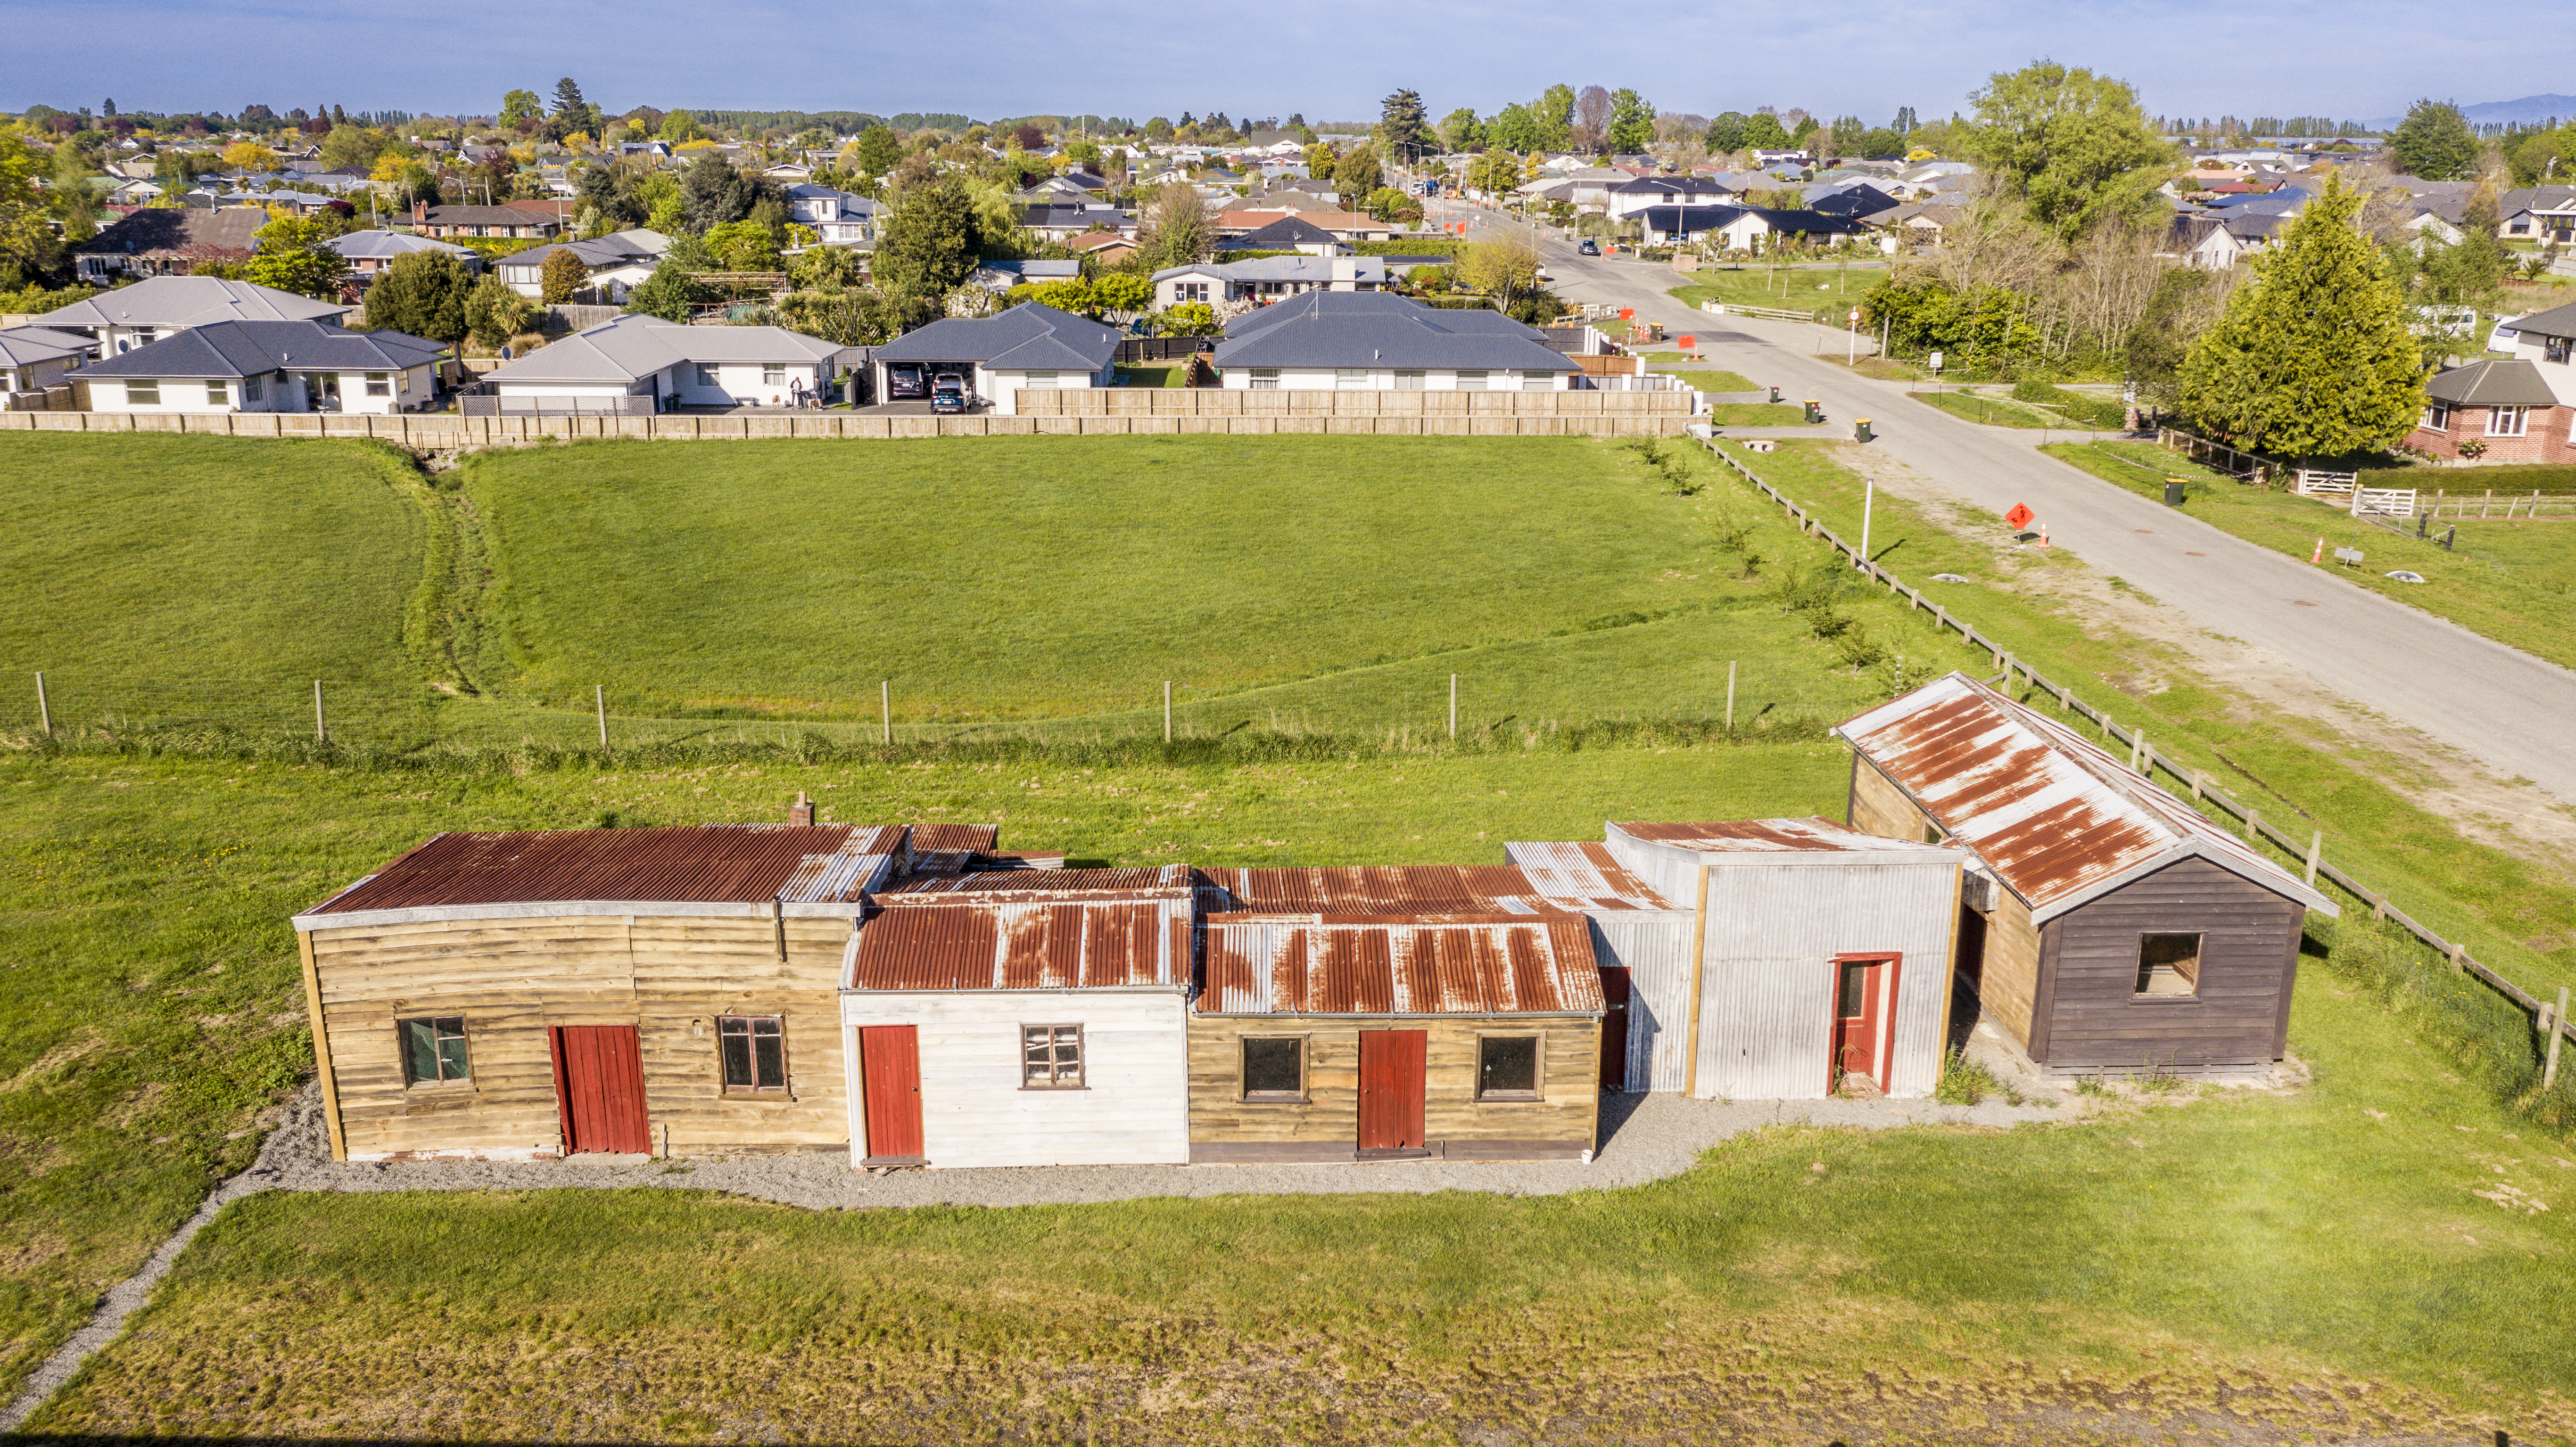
(2043, 535)
(2319, 556)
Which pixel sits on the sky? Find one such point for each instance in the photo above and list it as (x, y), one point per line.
(2355, 59)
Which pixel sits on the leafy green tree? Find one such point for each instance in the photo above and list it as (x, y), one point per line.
(1847, 131)
(2548, 156)
(1763, 132)
(713, 192)
(422, 293)
(1726, 133)
(1356, 174)
(1188, 319)
(1123, 291)
(679, 127)
(520, 105)
(931, 242)
(743, 246)
(28, 245)
(2313, 357)
(562, 277)
(353, 146)
(1632, 122)
(1462, 131)
(76, 203)
(1554, 113)
(2153, 354)
(2434, 142)
(1389, 204)
(1878, 142)
(1174, 229)
(494, 313)
(1516, 128)
(670, 293)
(825, 268)
(2073, 145)
(1494, 173)
(292, 257)
(1403, 128)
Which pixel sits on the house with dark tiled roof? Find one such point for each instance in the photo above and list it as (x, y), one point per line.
(268, 366)
(1029, 346)
(167, 241)
(2511, 409)
(508, 223)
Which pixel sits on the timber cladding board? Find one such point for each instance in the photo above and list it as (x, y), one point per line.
(513, 980)
(1567, 1111)
(2093, 1015)
(2008, 977)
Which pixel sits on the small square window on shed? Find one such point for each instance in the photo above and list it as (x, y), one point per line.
(1507, 1067)
(2169, 965)
(433, 1049)
(1050, 1057)
(754, 1048)
(1274, 1068)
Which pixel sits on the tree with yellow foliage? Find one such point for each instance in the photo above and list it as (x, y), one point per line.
(250, 156)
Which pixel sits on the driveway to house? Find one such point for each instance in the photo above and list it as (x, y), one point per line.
(2495, 704)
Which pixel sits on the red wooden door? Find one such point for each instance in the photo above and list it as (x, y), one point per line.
(599, 1087)
(1614, 1027)
(1391, 1089)
(1857, 1010)
(890, 1075)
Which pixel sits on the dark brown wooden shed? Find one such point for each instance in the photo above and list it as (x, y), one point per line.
(2116, 929)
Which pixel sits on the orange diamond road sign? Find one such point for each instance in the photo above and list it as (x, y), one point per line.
(2020, 516)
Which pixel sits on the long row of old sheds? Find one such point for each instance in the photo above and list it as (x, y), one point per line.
(917, 996)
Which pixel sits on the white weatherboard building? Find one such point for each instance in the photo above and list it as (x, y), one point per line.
(236, 366)
(639, 365)
(1377, 341)
(1021, 1018)
(1031, 346)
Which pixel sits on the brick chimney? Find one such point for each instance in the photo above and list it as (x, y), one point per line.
(419, 212)
(802, 811)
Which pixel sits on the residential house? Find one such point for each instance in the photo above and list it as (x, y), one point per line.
(1107, 248)
(639, 365)
(1743, 228)
(2516, 409)
(2538, 213)
(1062, 223)
(34, 358)
(268, 366)
(162, 306)
(1263, 278)
(839, 218)
(1627, 198)
(1000, 274)
(1289, 233)
(615, 264)
(1339, 225)
(501, 222)
(1378, 341)
(166, 241)
(2112, 927)
(369, 252)
(1029, 346)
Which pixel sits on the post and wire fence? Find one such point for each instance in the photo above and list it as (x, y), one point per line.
(2549, 1017)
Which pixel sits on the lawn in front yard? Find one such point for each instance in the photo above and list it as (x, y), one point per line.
(1835, 287)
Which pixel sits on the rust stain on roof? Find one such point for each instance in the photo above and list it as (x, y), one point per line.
(993, 944)
(957, 838)
(733, 863)
(1170, 881)
(1764, 836)
(1444, 964)
(1431, 888)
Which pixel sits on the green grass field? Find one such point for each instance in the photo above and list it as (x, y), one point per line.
(1992, 411)
(1757, 414)
(1794, 289)
(2515, 582)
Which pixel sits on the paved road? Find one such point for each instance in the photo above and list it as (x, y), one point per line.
(2493, 703)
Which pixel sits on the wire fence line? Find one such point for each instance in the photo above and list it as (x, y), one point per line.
(2549, 1017)
(1414, 702)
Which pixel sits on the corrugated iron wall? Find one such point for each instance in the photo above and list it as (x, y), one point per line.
(1767, 1006)
(1654, 947)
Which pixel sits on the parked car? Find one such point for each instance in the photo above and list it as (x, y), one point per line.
(949, 394)
(1589, 247)
(906, 383)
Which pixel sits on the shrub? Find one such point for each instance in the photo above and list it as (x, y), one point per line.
(1963, 1081)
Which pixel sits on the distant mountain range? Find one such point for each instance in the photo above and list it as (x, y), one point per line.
(2530, 110)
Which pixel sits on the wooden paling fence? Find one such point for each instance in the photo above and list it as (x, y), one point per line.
(2145, 760)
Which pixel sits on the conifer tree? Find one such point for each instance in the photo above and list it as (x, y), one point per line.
(2313, 357)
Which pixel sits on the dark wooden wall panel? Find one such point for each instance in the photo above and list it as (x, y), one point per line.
(2248, 965)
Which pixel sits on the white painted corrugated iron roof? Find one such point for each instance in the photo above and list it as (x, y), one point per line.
(2059, 820)
(1812, 835)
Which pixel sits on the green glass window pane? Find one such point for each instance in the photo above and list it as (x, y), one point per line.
(451, 1050)
(737, 1060)
(769, 1058)
(419, 1051)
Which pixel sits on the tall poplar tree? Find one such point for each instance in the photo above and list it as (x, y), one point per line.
(2313, 357)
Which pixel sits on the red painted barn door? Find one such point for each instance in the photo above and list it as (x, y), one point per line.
(1614, 1027)
(599, 1085)
(890, 1076)
(1391, 1075)
(1863, 1016)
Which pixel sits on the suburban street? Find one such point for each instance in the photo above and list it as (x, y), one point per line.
(2493, 703)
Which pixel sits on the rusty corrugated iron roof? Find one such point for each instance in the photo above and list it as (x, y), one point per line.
(1573, 869)
(1432, 964)
(1170, 881)
(1765, 836)
(2059, 820)
(957, 838)
(993, 944)
(734, 863)
(1412, 889)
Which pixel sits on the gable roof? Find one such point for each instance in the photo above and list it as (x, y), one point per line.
(1028, 337)
(26, 346)
(1347, 328)
(615, 249)
(1552, 883)
(1716, 218)
(251, 349)
(2558, 321)
(166, 231)
(630, 347)
(1466, 964)
(1283, 234)
(2493, 383)
(2059, 821)
(379, 245)
(189, 301)
(1768, 838)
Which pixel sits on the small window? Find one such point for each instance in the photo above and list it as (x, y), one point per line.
(254, 389)
(2169, 965)
(2506, 421)
(754, 1048)
(2437, 418)
(1040, 379)
(1265, 379)
(379, 385)
(773, 374)
(218, 395)
(706, 375)
(1471, 381)
(1350, 377)
(1408, 380)
(1538, 381)
(1274, 1068)
(1050, 1057)
(433, 1050)
(1507, 1067)
(143, 394)
(2553, 349)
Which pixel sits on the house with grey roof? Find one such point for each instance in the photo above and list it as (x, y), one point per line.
(640, 365)
(1744, 228)
(137, 315)
(166, 241)
(1267, 278)
(2513, 409)
(1029, 346)
(369, 252)
(268, 366)
(1289, 233)
(2538, 213)
(1000, 274)
(1626, 198)
(616, 264)
(34, 358)
(839, 218)
(1378, 341)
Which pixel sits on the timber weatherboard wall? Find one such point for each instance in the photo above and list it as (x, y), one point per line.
(2088, 1013)
(515, 972)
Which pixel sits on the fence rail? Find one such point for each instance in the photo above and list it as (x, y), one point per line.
(2145, 761)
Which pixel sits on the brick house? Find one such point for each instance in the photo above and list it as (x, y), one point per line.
(506, 222)
(2520, 407)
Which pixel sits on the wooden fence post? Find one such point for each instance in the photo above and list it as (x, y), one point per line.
(2557, 1032)
(1453, 708)
(1730, 696)
(2253, 828)
(45, 710)
(599, 702)
(321, 733)
(1167, 710)
(885, 706)
(2460, 959)
(2316, 846)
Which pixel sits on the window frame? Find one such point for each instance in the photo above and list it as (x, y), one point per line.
(2559, 350)
(1470, 381)
(1350, 379)
(463, 1037)
(143, 393)
(1040, 380)
(1537, 1093)
(707, 375)
(254, 388)
(1081, 1057)
(1304, 1093)
(379, 384)
(1411, 379)
(1262, 379)
(2508, 421)
(1538, 381)
(219, 393)
(773, 374)
(2436, 418)
(751, 1032)
(2200, 949)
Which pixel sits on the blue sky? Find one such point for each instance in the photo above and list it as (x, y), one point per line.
(2357, 59)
